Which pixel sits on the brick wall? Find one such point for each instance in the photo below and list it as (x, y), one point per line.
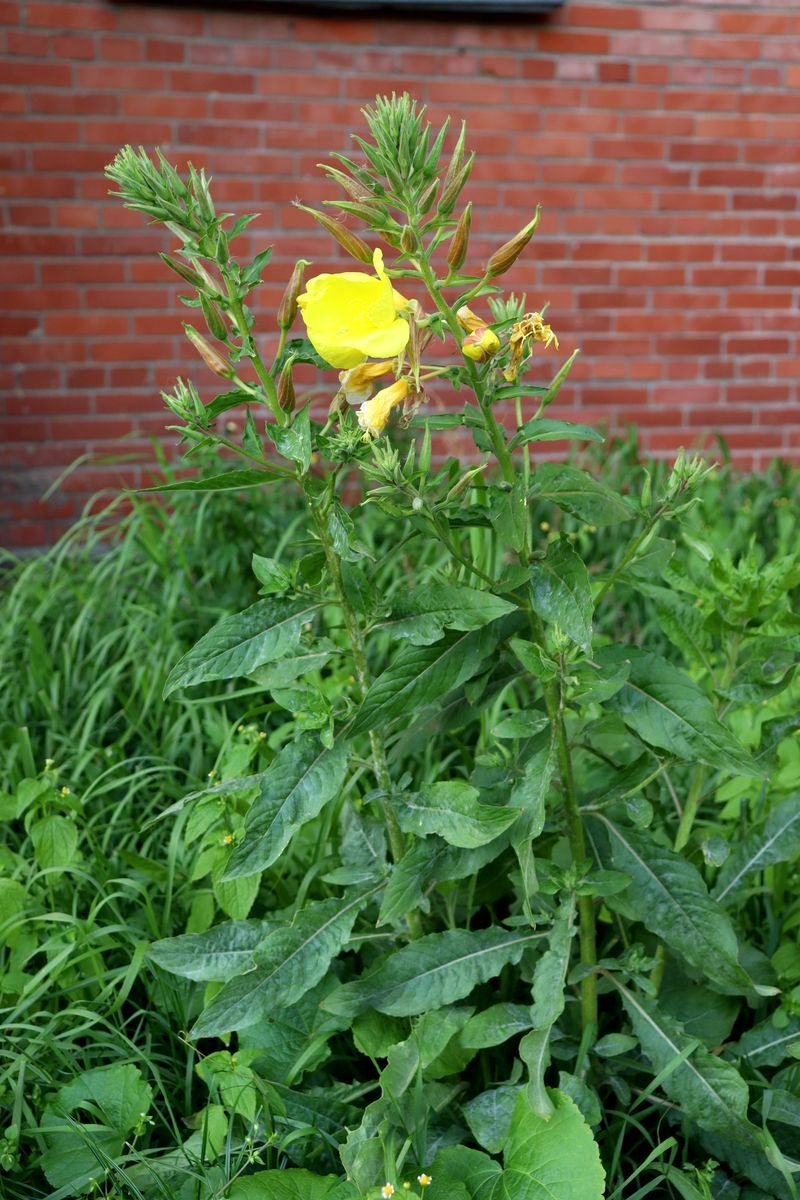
(661, 139)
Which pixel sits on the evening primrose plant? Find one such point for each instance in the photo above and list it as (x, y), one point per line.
(474, 862)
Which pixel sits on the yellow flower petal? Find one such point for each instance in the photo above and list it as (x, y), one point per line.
(351, 316)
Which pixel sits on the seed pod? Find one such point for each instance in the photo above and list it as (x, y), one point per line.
(349, 241)
(214, 319)
(460, 241)
(286, 393)
(287, 309)
(509, 252)
(187, 274)
(211, 357)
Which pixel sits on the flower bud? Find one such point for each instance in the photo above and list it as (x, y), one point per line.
(212, 358)
(481, 344)
(355, 246)
(509, 252)
(460, 240)
(214, 320)
(355, 190)
(186, 273)
(286, 394)
(428, 196)
(408, 240)
(287, 309)
(452, 189)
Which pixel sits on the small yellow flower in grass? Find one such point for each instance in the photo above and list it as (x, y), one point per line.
(424, 1180)
(351, 316)
(65, 791)
(530, 328)
(387, 1191)
(228, 839)
(357, 382)
(374, 413)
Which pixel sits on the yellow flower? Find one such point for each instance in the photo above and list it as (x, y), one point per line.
(357, 382)
(352, 316)
(374, 413)
(424, 1180)
(531, 327)
(387, 1191)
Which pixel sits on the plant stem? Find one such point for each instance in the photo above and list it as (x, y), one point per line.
(251, 350)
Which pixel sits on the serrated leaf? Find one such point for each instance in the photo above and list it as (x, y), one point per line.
(240, 643)
(777, 841)
(294, 441)
(435, 970)
(217, 955)
(289, 962)
(580, 495)
(420, 675)
(668, 895)
(707, 1089)
(452, 810)
(421, 613)
(302, 778)
(561, 595)
(667, 710)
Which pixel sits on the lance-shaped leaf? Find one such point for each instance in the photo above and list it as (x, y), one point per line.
(561, 595)
(768, 1045)
(496, 1025)
(421, 613)
(228, 481)
(544, 429)
(706, 1088)
(431, 972)
(419, 675)
(294, 789)
(777, 841)
(240, 643)
(452, 810)
(218, 954)
(289, 962)
(580, 495)
(668, 895)
(549, 981)
(668, 710)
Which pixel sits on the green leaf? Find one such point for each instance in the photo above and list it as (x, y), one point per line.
(289, 962)
(228, 481)
(668, 710)
(218, 954)
(777, 841)
(294, 441)
(452, 810)
(236, 896)
(768, 1044)
(55, 840)
(707, 1089)
(301, 350)
(435, 970)
(302, 778)
(668, 895)
(509, 516)
(555, 1159)
(561, 595)
(496, 1025)
(580, 495)
(240, 643)
(489, 1116)
(228, 400)
(549, 982)
(524, 723)
(542, 429)
(421, 613)
(13, 900)
(290, 1184)
(420, 675)
(115, 1098)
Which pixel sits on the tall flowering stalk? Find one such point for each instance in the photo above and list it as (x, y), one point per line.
(525, 816)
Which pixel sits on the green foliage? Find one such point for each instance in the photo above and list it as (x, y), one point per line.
(470, 781)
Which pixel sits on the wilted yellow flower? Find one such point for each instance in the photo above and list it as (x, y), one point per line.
(374, 413)
(357, 382)
(351, 316)
(531, 327)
